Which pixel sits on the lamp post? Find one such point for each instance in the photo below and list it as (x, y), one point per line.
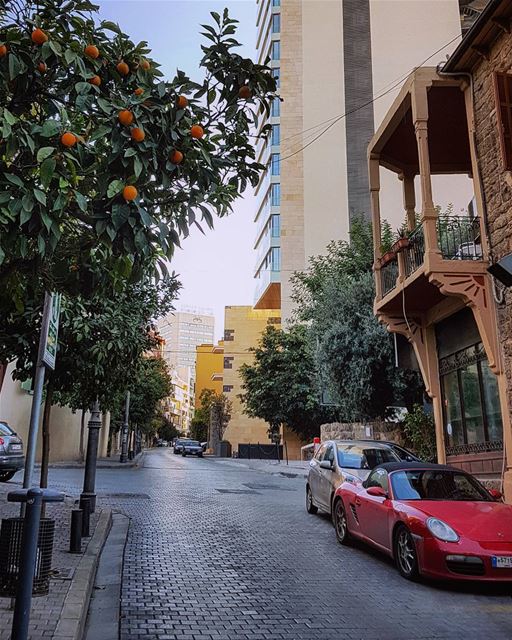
(93, 426)
(124, 430)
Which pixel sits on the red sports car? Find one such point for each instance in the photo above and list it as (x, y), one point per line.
(434, 520)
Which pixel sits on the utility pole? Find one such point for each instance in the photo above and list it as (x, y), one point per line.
(124, 430)
(94, 426)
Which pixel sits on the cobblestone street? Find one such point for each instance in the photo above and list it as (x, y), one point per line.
(220, 552)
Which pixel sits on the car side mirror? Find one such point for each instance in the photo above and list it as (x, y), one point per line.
(494, 493)
(378, 492)
(326, 464)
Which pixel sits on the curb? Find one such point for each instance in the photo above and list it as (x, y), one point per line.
(100, 464)
(73, 615)
(296, 473)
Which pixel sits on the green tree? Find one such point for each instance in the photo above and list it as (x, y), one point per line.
(200, 423)
(79, 125)
(151, 385)
(419, 430)
(281, 385)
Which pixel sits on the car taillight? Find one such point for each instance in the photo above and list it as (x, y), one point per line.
(1, 441)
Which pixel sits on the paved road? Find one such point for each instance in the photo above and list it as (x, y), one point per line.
(217, 552)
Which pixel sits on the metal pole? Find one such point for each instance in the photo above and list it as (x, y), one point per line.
(94, 426)
(37, 398)
(124, 431)
(28, 559)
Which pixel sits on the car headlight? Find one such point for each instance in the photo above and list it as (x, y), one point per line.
(441, 530)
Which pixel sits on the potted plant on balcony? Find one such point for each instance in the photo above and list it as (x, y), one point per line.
(402, 240)
(387, 256)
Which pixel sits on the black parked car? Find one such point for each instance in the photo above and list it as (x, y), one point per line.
(192, 448)
(178, 444)
(11, 452)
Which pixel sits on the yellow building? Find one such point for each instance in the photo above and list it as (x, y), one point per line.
(209, 368)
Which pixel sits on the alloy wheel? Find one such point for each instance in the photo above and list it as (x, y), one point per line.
(310, 507)
(406, 554)
(340, 523)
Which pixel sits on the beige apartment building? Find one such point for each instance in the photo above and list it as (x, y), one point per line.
(339, 65)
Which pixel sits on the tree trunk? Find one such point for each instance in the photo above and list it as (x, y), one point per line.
(82, 436)
(45, 459)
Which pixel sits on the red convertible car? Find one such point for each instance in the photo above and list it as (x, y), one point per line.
(434, 520)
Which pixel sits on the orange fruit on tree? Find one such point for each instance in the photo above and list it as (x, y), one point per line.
(39, 36)
(244, 92)
(3, 50)
(129, 193)
(42, 68)
(139, 91)
(176, 157)
(145, 64)
(68, 139)
(125, 117)
(182, 102)
(137, 134)
(123, 68)
(197, 131)
(92, 51)
(95, 80)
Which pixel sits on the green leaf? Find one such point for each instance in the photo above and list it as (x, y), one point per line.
(40, 196)
(47, 221)
(9, 117)
(24, 216)
(15, 66)
(130, 152)
(44, 152)
(137, 166)
(100, 132)
(115, 187)
(83, 87)
(55, 47)
(70, 56)
(28, 202)
(41, 245)
(104, 105)
(47, 171)
(50, 128)
(81, 200)
(14, 179)
(111, 26)
(5, 196)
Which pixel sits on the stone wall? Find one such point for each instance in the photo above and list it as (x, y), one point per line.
(360, 430)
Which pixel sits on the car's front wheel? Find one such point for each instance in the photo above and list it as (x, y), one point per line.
(340, 522)
(310, 507)
(406, 557)
(184, 454)
(5, 476)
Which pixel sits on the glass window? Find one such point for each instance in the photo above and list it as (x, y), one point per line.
(276, 74)
(276, 50)
(276, 134)
(492, 402)
(275, 161)
(452, 409)
(275, 226)
(321, 450)
(275, 253)
(378, 478)
(275, 195)
(275, 110)
(437, 485)
(503, 84)
(473, 415)
(329, 454)
(351, 456)
(276, 23)
(276, 3)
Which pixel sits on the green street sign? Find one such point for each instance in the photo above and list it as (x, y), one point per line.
(52, 333)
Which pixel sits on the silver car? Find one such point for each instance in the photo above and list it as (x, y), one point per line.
(11, 452)
(340, 460)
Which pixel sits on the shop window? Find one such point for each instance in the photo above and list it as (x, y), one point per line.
(503, 87)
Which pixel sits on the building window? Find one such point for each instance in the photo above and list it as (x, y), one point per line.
(471, 405)
(275, 110)
(228, 362)
(227, 388)
(229, 335)
(275, 195)
(276, 134)
(503, 85)
(275, 226)
(275, 164)
(276, 3)
(276, 74)
(275, 259)
(276, 50)
(276, 23)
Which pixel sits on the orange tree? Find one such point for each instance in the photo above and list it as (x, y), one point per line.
(104, 165)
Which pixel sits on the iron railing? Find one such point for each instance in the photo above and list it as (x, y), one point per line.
(413, 254)
(389, 275)
(459, 237)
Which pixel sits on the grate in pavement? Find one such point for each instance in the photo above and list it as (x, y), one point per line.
(66, 573)
(239, 491)
(270, 487)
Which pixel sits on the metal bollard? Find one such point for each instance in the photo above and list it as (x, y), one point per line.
(85, 506)
(75, 538)
(27, 565)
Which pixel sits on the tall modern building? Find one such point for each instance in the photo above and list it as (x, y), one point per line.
(183, 331)
(339, 65)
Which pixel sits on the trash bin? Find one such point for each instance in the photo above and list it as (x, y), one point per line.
(11, 532)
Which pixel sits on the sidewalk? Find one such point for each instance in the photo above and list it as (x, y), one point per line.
(101, 463)
(62, 613)
(294, 468)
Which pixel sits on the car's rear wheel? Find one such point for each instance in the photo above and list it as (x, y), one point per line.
(340, 523)
(406, 557)
(5, 476)
(310, 507)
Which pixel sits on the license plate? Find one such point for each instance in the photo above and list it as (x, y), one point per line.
(502, 562)
(15, 447)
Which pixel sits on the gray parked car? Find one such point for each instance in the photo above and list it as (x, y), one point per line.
(178, 445)
(192, 448)
(340, 460)
(11, 452)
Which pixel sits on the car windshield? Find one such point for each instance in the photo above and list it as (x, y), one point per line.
(437, 485)
(193, 443)
(352, 456)
(5, 430)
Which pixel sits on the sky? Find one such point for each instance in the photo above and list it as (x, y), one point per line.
(215, 269)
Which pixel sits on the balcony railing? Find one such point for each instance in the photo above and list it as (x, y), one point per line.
(459, 237)
(413, 254)
(389, 275)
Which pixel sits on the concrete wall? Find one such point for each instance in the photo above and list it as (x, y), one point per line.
(209, 361)
(243, 328)
(360, 430)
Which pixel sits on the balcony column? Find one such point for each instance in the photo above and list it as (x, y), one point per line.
(428, 210)
(409, 201)
(374, 175)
